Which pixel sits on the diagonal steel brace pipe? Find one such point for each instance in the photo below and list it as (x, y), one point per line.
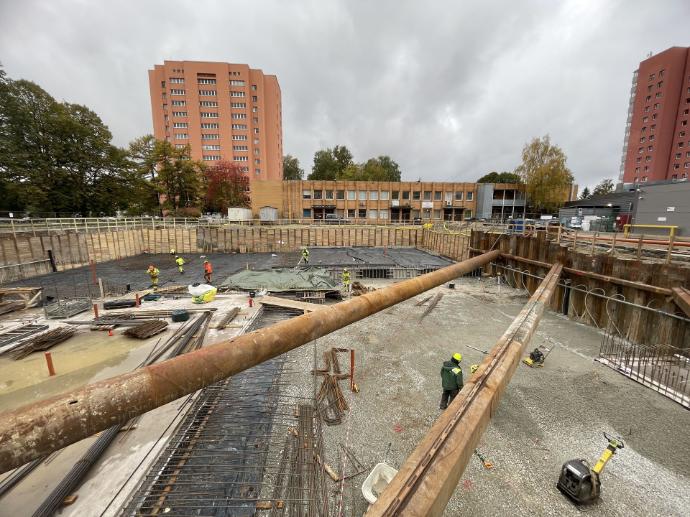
(38, 429)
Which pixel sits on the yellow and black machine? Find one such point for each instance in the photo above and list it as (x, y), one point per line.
(582, 483)
(536, 357)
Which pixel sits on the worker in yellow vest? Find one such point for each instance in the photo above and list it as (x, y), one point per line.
(153, 272)
(346, 281)
(180, 264)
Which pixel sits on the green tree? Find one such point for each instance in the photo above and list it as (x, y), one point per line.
(604, 187)
(545, 174)
(500, 177)
(382, 168)
(291, 168)
(585, 193)
(328, 163)
(179, 177)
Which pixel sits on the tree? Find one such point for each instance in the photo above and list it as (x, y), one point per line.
(179, 177)
(328, 163)
(382, 168)
(291, 168)
(604, 187)
(585, 193)
(500, 177)
(226, 186)
(545, 174)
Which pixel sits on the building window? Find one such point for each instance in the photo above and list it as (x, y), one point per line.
(179, 113)
(238, 116)
(176, 92)
(686, 165)
(362, 195)
(437, 214)
(256, 130)
(458, 196)
(652, 128)
(676, 166)
(306, 212)
(680, 144)
(255, 120)
(362, 213)
(683, 123)
(208, 114)
(256, 141)
(257, 161)
(643, 139)
(306, 194)
(644, 178)
(238, 105)
(468, 214)
(687, 154)
(210, 147)
(240, 158)
(416, 195)
(427, 195)
(239, 126)
(329, 194)
(318, 194)
(648, 98)
(253, 87)
(209, 125)
(202, 80)
(373, 195)
(681, 134)
(384, 195)
(351, 195)
(651, 77)
(437, 195)
(373, 214)
(208, 104)
(470, 196)
(180, 146)
(351, 214)
(180, 125)
(255, 109)
(340, 194)
(674, 177)
(209, 136)
(645, 119)
(658, 94)
(639, 159)
(648, 158)
(654, 116)
(678, 155)
(637, 169)
(396, 194)
(651, 137)
(240, 148)
(644, 129)
(234, 93)
(255, 98)
(650, 148)
(177, 80)
(657, 106)
(211, 157)
(383, 214)
(239, 137)
(179, 103)
(236, 82)
(181, 136)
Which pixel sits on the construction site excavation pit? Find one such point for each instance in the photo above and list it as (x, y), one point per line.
(546, 416)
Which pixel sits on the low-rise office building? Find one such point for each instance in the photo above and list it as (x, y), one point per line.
(500, 201)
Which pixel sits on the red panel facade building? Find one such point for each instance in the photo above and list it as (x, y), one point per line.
(657, 136)
(223, 111)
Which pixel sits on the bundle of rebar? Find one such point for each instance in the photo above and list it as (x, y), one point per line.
(147, 329)
(155, 313)
(227, 318)
(11, 306)
(42, 342)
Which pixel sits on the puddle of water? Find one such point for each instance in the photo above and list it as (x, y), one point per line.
(76, 361)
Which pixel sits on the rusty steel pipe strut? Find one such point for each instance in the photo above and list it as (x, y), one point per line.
(429, 476)
(38, 429)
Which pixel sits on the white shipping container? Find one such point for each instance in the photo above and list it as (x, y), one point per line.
(239, 214)
(268, 213)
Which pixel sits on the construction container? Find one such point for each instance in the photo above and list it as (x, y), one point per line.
(268, 214)
(179, 315)
(239, 214)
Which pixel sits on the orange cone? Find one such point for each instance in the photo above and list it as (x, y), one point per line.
(110, 332)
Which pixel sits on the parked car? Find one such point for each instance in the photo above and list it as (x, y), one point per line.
(417, 220)
(333, 219)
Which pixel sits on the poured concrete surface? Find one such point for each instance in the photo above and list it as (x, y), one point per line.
(546, 416)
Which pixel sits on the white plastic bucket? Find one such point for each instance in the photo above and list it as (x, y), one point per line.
(377, 481)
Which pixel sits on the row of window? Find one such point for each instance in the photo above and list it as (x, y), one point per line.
(375, 195)
(210, 93)
(214, 104)
(214, 114)
(364, 213)
(207, 80)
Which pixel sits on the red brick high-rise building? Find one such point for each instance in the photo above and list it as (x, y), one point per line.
(657, 136)
(223, 111)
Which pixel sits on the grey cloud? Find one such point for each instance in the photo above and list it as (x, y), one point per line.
(451, 90)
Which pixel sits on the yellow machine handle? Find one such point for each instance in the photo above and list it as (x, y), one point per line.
(614, 445)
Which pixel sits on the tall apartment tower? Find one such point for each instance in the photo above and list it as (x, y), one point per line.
(224, 111)
(657, 136)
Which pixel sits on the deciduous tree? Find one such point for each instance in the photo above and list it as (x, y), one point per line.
(545, 174)
(291, 168)
(226, 186)
(604, 187)
(500, 177)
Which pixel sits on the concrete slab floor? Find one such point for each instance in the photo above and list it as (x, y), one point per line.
(546, 416)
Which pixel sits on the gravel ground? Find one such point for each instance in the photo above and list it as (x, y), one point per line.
(546, 416)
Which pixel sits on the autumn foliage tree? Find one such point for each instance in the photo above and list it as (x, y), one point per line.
(547, 178)
(226, 186)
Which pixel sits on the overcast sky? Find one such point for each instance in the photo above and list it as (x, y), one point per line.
(450, 90)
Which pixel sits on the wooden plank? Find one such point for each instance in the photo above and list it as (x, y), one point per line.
(291, 304)
(682, 298)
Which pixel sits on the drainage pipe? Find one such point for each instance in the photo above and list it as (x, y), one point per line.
(38, 429)
(429, 476)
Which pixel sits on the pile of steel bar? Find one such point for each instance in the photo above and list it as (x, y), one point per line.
(147, 329)
(227, 318)
(11, 306)
(12, 337)
(155, 313)
(42, 427)
(42, 342)
(330, 400)
(430, 475)
(66, 308)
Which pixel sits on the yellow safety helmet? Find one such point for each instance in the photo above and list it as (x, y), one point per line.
(457, 357)
(474, 368)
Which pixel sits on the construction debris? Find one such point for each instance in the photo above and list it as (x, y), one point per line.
(358, 288)
(16, 334)
(432, 304)
(147, 329)
(11, 306)
(227, 318)
(42, 342)
(61, 309)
